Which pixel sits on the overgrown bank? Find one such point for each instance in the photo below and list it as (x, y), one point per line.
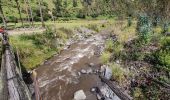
(140, 63)
(34, 49)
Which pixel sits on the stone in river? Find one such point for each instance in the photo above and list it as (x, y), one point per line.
(83, 71)
(89, 71)
(79, 95)
(91, 64)
(108, 73)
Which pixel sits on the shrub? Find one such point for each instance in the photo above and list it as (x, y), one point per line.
(81, 14)
(162, 56)
(144, 28)
(165, 27)
(12, 19)
(105, 58)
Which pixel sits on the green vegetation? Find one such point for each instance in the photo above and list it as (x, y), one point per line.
(140, 27)
(144, 28)
(34, 49)
(118, 73)
(105, 57)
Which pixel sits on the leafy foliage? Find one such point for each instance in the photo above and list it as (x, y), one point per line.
(144, 28)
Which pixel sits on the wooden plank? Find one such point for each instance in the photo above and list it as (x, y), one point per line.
(13, 86)
(4, 89)
(16, 86)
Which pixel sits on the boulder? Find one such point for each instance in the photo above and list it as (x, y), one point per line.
(91, 65)
(89, 71)
(79, 95)
(83, 71)
(108, 73)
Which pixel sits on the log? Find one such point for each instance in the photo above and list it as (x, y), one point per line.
(116, 90)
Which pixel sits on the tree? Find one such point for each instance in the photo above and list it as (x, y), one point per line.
(41, 13)
(19, 10)
(26, 9)
(74, 3)
(58, 8)
(65, 3)
(2, 15)
(30, 12)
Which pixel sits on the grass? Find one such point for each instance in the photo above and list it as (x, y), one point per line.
(36, 48)
(105, 58)
(123, 32)
(71, 24)
(118, 72)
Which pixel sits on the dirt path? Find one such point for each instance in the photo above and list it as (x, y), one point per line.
(25, 31)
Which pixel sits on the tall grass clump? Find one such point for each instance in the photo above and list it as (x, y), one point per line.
(118, 73)
(114, 47)
(105, 57)
(93, 27)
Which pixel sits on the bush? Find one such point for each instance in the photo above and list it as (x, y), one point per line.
(165, 27)
(81, 14)
(144, 28)
(162, 56)
(12, 19)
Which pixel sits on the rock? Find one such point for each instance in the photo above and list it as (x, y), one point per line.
(108, 73)
(131, 67)
(91, 65)
(89, 71)
(79, 95)
(93, 90)
(79, 74)
(98, 97)
(117, 61)
(83, 71)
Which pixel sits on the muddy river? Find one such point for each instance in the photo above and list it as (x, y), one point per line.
(59, 77)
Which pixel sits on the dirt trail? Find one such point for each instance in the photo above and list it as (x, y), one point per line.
(58, 77)
(25, 31)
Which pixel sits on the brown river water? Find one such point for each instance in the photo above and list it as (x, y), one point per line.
(58, 77)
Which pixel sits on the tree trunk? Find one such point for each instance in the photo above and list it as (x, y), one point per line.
(31, 15)
(2, 15)
(19, 11)
(26, 9)
(41, 13)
